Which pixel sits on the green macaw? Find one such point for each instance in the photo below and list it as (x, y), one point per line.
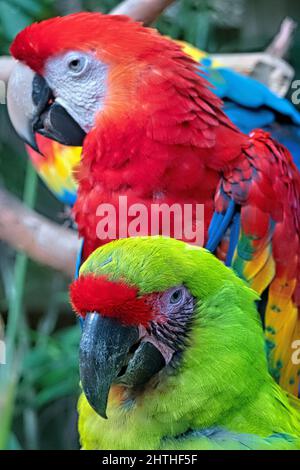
(173, 354)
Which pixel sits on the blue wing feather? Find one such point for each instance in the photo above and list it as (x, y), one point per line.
(249, 93)
(219, 225)
(251, 105)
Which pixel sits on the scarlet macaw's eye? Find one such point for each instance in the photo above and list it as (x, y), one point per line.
(77, 64)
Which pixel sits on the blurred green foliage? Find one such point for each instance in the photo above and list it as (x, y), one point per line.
(38, 391)
(16, 14)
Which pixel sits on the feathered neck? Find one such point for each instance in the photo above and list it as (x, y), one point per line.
(157, 117)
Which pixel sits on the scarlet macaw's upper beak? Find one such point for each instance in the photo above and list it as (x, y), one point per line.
(112, 353)
(32, 109)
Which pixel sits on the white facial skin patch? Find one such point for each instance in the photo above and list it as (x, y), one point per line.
(79, 83)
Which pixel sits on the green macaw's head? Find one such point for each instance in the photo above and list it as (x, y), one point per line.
(169, 325)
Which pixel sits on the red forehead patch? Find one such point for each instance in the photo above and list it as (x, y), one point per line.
(111, 299)
(79, 31)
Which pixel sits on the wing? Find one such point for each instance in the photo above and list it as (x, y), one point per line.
(289, 136)
(251, 104)
(56, 167)
(248, 103)
(256, 229)
(223, 439)
(251, 97)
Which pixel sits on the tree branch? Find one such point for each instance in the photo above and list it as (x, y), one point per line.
(282, 42)
(145, 11)
(42, 240)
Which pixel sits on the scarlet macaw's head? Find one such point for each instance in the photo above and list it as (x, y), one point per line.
(79, 72)
(73, 71)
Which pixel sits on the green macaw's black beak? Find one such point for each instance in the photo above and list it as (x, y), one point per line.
(51, 119)
(110, 353)
(33, 109)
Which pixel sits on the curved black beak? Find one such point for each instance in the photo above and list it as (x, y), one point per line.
(32, 109)
(51, 119)
(110, 353)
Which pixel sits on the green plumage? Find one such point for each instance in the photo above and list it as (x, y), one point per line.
(221, 395)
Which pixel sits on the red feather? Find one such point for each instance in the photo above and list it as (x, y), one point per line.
(110, 299)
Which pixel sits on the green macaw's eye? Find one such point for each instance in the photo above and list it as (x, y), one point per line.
(176, 297)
